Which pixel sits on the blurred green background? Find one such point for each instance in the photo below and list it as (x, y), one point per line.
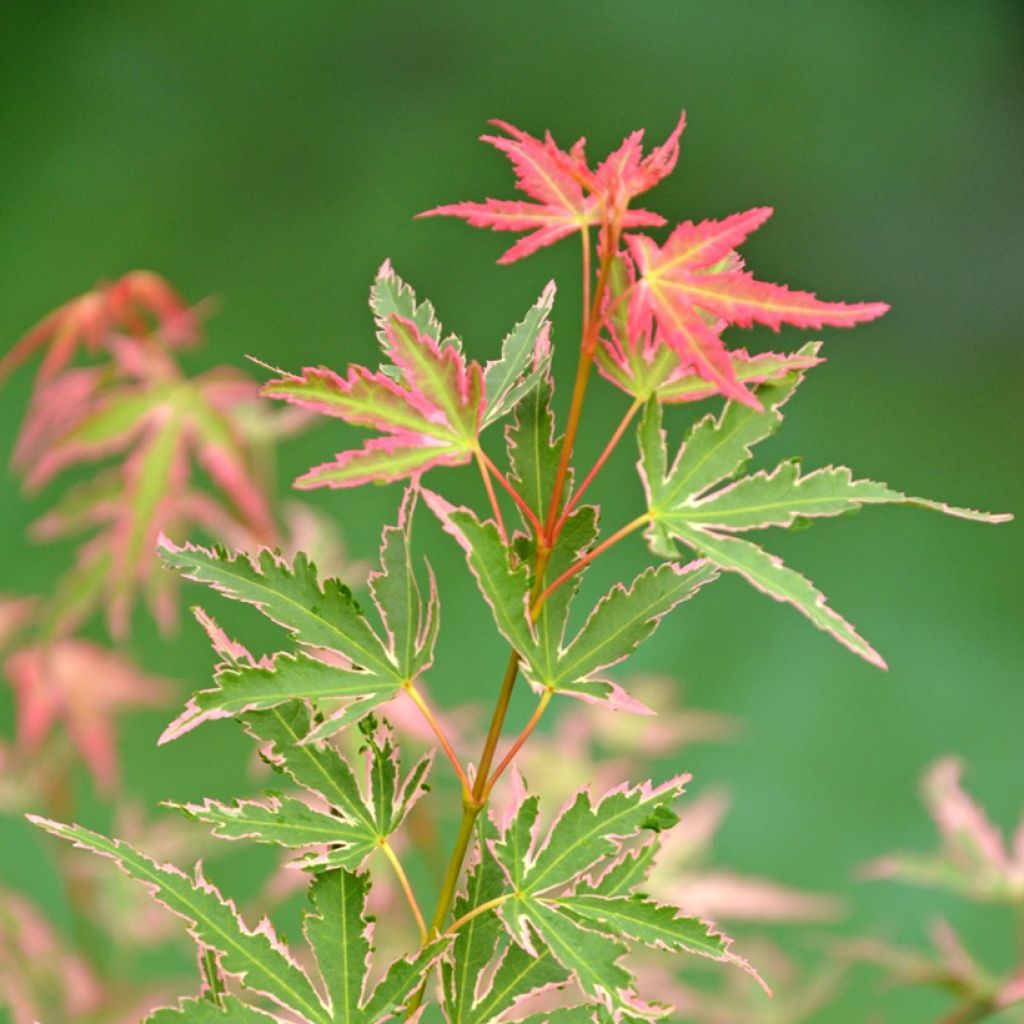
(272, 155)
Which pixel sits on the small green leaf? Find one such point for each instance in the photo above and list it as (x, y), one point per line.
(524, 363)
(533, 449)
(391, 296)
(358, 822)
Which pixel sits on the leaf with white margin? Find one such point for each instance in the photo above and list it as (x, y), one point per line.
(204, 1011)
(684, 506)
(471, 994)
(339, 931)
(256, 956)
(619, 623)
(524, 363)
(341, 655)
(553, 894)
(358, 818)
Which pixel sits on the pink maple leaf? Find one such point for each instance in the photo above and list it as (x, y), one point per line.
(566, 195)
(428, 415)
(633, 357)
(693, 285)
(138, 304)
(83, 687)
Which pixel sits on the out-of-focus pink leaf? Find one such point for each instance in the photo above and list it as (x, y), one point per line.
(139, 304)
(83, 688)
(15, 614)
(974, 858)
(39, 975)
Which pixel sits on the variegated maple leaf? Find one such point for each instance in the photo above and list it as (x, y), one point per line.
(340, 656)
(700, 500)
(159, 424)
(139, 409)
(84, 687)
(694, 285)
(335, 926)
(567, 196)
(633, 356)
(340, 823)
(429, 403)
(572, 893)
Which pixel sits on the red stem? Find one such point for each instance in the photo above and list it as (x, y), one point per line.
(601, 460)
(582, 563)
(482, 462)
(520, 501)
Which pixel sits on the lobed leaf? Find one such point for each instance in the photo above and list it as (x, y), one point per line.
(685, 507)
(257, 956)
(285, 821)
(533, 449)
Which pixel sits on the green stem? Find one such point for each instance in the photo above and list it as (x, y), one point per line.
(478, 798)
(593, 553)
(588, 345)
(477, 911)
(403, 881)
(601, 460)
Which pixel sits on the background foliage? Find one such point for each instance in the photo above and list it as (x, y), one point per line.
(273, 156)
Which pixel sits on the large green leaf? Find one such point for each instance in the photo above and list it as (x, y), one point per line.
(684, 505)
(584, 923)
(336, 927)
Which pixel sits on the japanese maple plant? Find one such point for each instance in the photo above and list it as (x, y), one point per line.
(538, 905)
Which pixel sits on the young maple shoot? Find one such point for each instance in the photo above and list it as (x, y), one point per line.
(515, 916)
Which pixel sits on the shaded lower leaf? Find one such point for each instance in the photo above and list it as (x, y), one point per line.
(256, 956)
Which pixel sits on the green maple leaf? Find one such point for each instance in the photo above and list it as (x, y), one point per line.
(335, 926)
(518, 973)
(702, 502)
(340, 655)
(358, 819)
(586, 927)
(618, 624)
